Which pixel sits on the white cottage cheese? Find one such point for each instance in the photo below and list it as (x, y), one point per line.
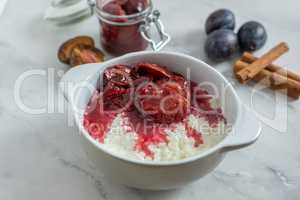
(122, 141)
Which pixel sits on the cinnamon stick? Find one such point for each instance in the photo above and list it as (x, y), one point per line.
(254, 68)
(272, 79)
(249, 58)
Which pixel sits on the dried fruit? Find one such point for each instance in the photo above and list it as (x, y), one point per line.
(118, 74)
(85, 54)
(116, 97)
(153, 70)
(163, 101)
(125, 7)
(114, 8)
(65, 50)
(135, 6)
(159, 95)
(111, 90)
(121, 2)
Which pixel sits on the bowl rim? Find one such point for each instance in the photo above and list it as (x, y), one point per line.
(221, 145)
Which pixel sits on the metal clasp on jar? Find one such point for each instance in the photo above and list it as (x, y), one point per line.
(145, 28)
(92, 5)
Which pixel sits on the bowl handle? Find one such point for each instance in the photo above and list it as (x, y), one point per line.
(75, 77)
(246, 131)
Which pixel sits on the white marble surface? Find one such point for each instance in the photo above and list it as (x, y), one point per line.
(41, 159)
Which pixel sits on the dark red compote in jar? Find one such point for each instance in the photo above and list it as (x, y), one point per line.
(120, 21)
(151, 99)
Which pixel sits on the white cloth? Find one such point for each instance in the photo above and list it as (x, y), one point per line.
(67, 11)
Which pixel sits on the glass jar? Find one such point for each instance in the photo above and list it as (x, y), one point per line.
(122, 32)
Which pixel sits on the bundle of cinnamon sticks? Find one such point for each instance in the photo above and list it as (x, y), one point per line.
(249, 67)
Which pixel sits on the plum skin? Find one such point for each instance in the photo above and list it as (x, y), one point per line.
(252, 36)
(220, 19)
(221, 44)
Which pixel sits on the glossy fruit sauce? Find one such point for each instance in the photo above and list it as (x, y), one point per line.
(152, 99)
(120, 38)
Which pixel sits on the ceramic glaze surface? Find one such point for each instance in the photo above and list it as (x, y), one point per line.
(148, 174)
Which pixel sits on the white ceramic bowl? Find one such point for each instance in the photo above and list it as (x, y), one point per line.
(160, 175)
